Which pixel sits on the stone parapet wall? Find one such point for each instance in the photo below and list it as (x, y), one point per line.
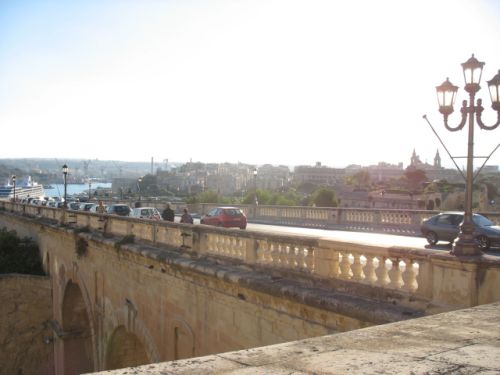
(416, 278)
(458, 342)
(25, 337)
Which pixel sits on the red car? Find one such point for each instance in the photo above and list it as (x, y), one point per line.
(226, 217)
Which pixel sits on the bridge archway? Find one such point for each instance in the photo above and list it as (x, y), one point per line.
(77, 332)
(182, 343)
(125, 350)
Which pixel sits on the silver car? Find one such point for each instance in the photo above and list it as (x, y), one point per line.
(446, 227)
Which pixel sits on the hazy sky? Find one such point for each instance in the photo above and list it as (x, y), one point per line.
(271, 81)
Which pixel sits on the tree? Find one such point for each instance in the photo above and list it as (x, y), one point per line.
(324, 197)
(361, 179)
(19, 255)
(415, 177)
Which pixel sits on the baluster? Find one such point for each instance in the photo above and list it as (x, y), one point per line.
(267, 254)
(291, 261)
(274, 253)
(260, 251)
(283, 255)
(345, 265)
(335, 268)
(298, 257)
(309, 258)
(395, 275)
(239, 248)
(219, 244)
(369, 270)
(409, 276)
(222, 245)
(229, 248)
(381, 272)
(215, 243)
(356, 268)
(210, 242)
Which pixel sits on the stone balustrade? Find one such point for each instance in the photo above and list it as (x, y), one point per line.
(402, 222)
(433, 278)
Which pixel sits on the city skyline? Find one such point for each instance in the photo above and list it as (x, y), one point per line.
(257, 82)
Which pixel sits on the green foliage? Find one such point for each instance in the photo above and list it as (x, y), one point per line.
(307, 188)
(361, 179)
(271, 198)
(19, 255)
(81, 247)
(415, 177)
(209, 197)
(324, 197)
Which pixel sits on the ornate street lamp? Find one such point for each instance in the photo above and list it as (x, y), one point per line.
(446, 92)
(65, 174)
(139, 182)
(14, 183)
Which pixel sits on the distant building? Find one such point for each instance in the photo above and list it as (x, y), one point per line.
(273, 177)
(318, 175)
(385, 171)
(435, 171)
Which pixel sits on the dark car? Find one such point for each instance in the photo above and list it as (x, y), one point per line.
(226, 217)
(446, 227)
(118, 209)
(74, 206)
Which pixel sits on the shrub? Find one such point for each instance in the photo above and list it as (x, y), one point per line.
(19, 255)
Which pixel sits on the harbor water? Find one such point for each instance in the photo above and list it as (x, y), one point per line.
(57, 190)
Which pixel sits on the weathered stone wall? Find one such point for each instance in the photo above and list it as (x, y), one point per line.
(169, 305)
(25, 309)
(182, 291)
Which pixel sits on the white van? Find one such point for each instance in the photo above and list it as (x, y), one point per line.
(145, 213)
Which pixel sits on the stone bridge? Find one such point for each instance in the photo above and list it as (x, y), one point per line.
(127, 291)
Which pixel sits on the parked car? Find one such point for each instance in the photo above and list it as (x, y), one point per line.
(145, 213)
(118, 209)
(446, 227)
(225, 217)
(86, 206)
(59, 204)
(94, 208)
(74, 206)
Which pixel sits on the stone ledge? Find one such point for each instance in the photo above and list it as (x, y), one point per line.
(276, 282)
(459, 342)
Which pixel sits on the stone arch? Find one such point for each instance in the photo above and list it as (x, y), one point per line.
(128, 318)
(430, 205)
(76, 332)
(46, 263)
(182, 339)
(438, 202)
(125, 350)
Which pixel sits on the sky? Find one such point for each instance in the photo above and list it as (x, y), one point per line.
(289, 82)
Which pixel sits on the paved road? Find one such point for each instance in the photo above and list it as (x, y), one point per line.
(358, 237)
(386, 240)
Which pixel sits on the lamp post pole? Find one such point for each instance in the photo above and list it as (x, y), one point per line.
(90, 186)
(139, 181)
(446, 92)
(255, 201)
(14, 183)
(65, 174)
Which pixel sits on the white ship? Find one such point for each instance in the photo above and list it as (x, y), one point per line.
(25, 188)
